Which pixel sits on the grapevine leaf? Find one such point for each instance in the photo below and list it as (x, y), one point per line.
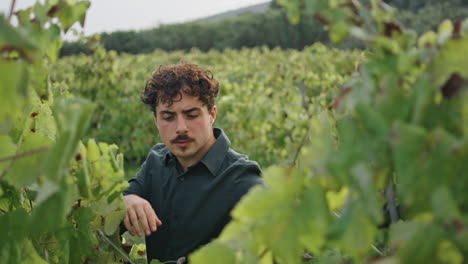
(424, 241)
(354, 232)
(13, 84)
(132, 240)
(112, 221)
(214, 252)
(69, 14)
(444, 205)
(449, 61)
(30, 255)
(447, 252)
(138, 252)
(73, 116)
(51, 213)
(408, 142)
(363, 179)
(82, 173)
(315, 6)
(82, 242)
(312, 219)
(45, 190)
(11, 37)
(26, 169)
(8, 148)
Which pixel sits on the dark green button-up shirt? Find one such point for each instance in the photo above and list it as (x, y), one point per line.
(193, 206)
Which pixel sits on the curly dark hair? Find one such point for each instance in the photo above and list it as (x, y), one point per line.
(168, 83)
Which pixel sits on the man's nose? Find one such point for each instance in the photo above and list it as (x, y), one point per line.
(181, 126)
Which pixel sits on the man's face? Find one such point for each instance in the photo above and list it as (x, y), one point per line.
(185, 128)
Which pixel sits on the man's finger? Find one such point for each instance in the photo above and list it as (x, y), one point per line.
(128, 225)
(134, 222)
(153, 220)
(143, 220)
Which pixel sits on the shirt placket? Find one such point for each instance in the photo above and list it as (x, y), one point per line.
(173, 246)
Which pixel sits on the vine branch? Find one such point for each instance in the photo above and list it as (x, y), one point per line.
(391, 206)
(12, 8)
(24, 154)
(298, 150)
(263, 253)
(120, 251)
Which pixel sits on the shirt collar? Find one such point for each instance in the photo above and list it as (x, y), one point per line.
(215, 155)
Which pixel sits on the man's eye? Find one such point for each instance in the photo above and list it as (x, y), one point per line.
(168, 118)
(192, 116)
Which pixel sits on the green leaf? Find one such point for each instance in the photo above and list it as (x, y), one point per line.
(69, 14)
(408, 143)
(17, 38)
(138, 251)
(53, 42)
(445, 31)
(424, 241)
(32, 152)
(8, 148)
(354, 232)
(112, 221)
(24, 16)
(51, 213)
(339, 31)
(448, 253)
(214, 252)
(13, 84)
(83, 173)
(451, 59)
(73, 116)
(363, 179)
(315, 6)
(312, 219)
(45, 190)
(30, 255)
(444, 205)
(132, 240)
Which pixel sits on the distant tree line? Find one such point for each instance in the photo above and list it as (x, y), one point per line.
(270, 28)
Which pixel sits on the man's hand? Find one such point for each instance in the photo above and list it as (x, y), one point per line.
(139, 211)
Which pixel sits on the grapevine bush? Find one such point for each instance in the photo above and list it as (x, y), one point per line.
(60, 200)
(382, 176)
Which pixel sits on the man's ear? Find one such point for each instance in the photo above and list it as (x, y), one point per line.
(213, 114)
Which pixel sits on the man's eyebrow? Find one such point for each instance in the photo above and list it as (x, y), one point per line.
(167, 112)
(190, 110)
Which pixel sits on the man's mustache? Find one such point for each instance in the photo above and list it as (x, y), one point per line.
(183, 137)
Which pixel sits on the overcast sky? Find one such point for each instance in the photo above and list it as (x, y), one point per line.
(111, 15)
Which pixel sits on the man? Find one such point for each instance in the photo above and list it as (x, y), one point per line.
(183, 194)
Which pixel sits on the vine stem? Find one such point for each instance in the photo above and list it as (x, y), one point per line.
(263, 254)
(12, 8)
(24, 154)
(120, 251)
(298, 150)
(304, 137)
(390, 195)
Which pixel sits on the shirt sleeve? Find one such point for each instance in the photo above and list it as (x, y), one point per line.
(138, 183)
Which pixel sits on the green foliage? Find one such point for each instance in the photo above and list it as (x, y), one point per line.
(55, 193)
(397, 133)
(270, 77)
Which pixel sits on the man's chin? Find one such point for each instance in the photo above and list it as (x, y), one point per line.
(181, 152)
